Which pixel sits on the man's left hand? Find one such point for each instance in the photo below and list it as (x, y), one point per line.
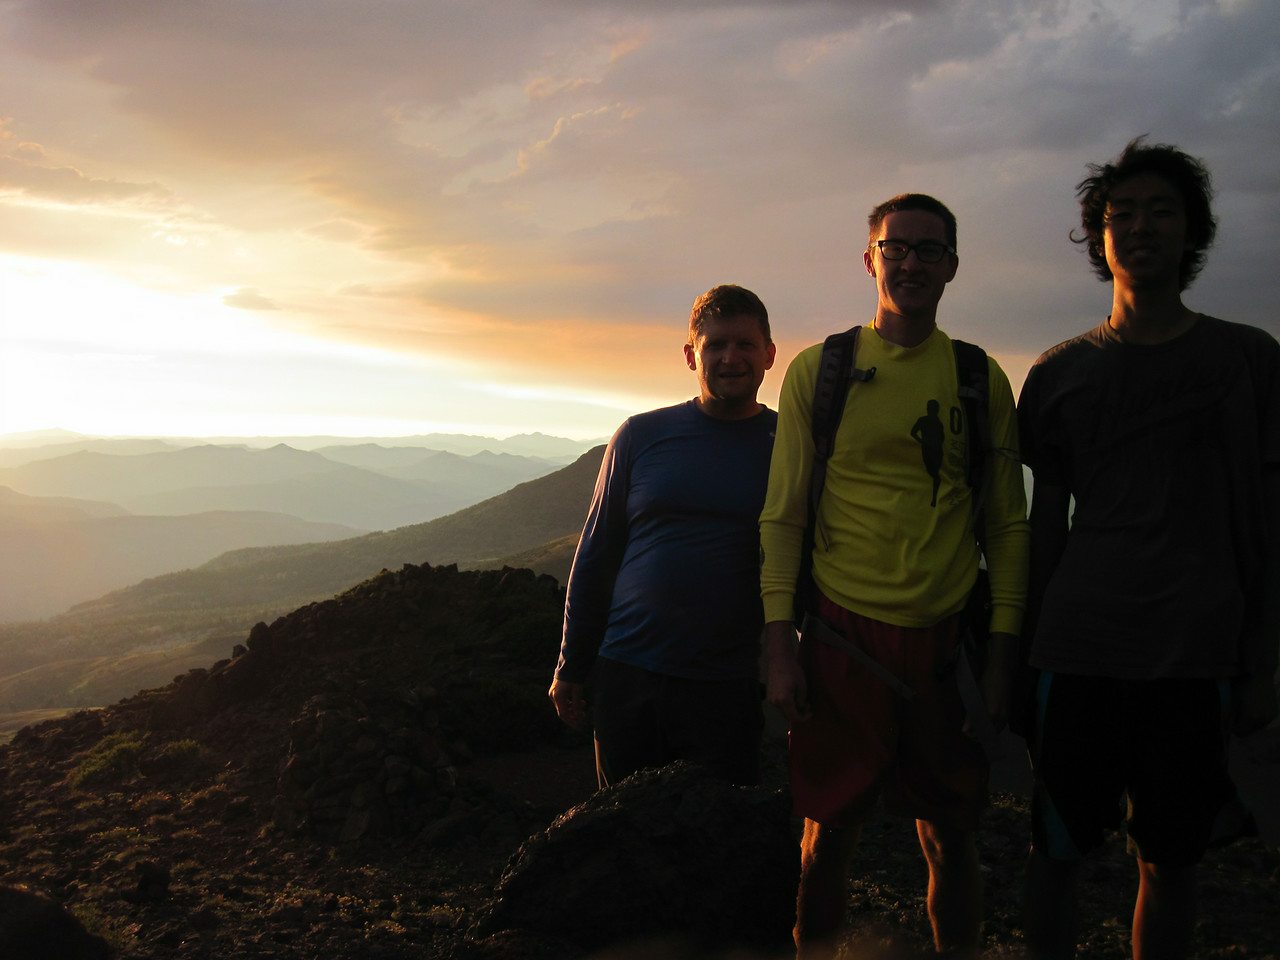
(570, 702)
(1253, 700)
(997, 679)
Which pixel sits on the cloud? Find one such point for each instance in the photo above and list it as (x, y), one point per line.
(25, 170)
(516, 178)
(248, 298)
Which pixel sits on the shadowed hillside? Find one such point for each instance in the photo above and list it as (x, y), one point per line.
(144, 634)
(525, 517)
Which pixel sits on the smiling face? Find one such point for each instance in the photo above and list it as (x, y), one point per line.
(1145, 232)
(730, 356)
(909, 289)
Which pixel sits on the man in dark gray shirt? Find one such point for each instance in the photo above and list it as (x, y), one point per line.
(1155, 607)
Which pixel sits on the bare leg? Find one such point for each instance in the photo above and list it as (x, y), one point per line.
(955, 887)
(1164, 917)
(825, 853)
(1049, 907)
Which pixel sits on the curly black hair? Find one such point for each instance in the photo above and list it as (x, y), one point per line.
(1187, 174)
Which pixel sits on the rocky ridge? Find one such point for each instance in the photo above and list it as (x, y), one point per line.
(380, 775)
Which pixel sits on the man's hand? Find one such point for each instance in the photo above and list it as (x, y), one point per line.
(571, 702)
(997, 679)
(785, 684)
(1253, 700)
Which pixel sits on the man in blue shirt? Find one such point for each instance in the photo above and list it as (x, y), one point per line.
(663, 616)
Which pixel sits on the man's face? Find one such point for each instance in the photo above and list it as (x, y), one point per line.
(730, 357)
(908, 287)
(1145, 231)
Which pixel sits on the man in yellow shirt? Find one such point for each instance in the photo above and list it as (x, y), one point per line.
(896, 555)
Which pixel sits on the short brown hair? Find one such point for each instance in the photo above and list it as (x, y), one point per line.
(912, 201)
(727, 300)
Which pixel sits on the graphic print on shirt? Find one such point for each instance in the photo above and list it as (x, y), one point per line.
(929, 432)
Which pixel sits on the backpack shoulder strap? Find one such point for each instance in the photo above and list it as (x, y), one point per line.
(831, 387)
(974, 393)
(836, 373)
(975, 397)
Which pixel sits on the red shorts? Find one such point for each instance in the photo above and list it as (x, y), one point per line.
(865, 741)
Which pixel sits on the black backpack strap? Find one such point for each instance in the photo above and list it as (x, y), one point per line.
(975, 395)
(836, 373)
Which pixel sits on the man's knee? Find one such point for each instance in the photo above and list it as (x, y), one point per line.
(946, 846)
(1175, 883)
(827, 847)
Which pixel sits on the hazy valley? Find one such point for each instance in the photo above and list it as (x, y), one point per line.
(130, 599)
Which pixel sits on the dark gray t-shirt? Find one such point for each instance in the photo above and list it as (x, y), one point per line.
(1163, 448)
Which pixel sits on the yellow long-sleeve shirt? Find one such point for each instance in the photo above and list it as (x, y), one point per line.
(894, 539)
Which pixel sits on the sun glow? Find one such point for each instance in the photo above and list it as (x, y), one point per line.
(88, 351)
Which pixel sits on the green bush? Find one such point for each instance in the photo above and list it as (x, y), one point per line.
(179, 753)
(113, 759)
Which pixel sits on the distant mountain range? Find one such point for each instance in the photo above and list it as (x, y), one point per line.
(80, 515)
(142, 635)
(16, 448)
(390, 488)
(58, 552)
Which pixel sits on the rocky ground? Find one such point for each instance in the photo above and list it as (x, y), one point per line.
(356, 780)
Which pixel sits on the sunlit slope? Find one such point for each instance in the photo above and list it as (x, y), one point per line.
(57, 552)
(146, 633)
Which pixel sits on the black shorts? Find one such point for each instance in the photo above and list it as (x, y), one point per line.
(1160, 744)
(646, 719)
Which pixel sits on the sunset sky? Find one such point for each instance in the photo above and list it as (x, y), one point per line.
(387, 217)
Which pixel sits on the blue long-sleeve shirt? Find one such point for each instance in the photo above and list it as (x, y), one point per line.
(666, 575)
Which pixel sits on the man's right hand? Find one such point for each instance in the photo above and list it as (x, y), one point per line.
(1254, 704)
(785, 685)
(571, 702)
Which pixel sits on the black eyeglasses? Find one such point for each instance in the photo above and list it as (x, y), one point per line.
(927, 252)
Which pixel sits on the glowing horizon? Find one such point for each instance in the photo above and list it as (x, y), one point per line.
(412, 218)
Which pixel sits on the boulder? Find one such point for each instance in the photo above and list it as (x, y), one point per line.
(669, 853)
(34, 927)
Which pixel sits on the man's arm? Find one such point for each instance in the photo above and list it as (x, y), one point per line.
(782, 524)
(1254, 693)
(589, 595)
(1050, 505)
(786, 503)
(1006, 547)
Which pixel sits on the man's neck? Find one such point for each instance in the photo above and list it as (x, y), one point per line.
(903, 331)
(728, 409)
(1149, 316)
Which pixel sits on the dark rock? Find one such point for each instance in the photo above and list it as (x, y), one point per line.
(152, 883)
(347, 777)
(195, 698)
(665, 853)
(259, 636)
(203, 918)
(35, 927)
